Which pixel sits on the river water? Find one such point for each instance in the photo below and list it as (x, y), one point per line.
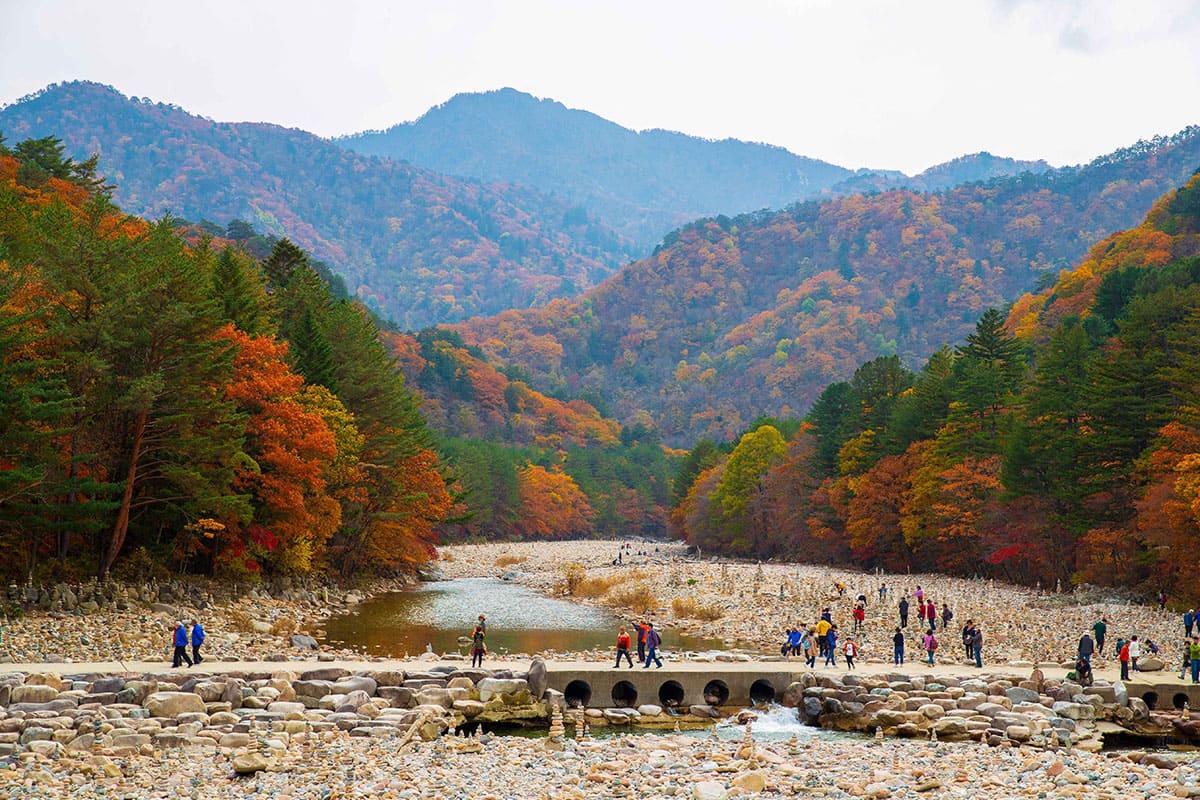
(519, 621)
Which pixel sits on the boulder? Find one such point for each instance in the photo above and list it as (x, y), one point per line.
(250, 763)
(434, 696)
(709, 790)
(172, 704)
(312, 688)
(1151, 664)
(468, 708)
(32, 693)
(355, 683)
(325, 674)
(1018, 694)
(537, 679)
(398, 696)
(490, 687)
(793, 695)
(303, 642)
(649, 710)
(1018, 733)
(753, 782)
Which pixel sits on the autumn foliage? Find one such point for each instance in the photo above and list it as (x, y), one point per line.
(1070, 452)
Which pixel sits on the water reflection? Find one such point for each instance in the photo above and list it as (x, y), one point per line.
(519, 621)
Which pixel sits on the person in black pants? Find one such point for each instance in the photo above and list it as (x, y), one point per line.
(903, 612)
(181, 642)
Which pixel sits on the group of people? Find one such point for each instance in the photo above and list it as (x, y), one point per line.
(181, 637)
(1129, 651)
(648, 642)
(820, 640)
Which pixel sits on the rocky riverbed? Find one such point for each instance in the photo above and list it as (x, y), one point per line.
(753, 604)
(324, 735)
(327, 733)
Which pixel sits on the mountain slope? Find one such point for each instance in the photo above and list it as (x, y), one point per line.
(964, 169)
(417, 246)
(733, 318)
(644, 184)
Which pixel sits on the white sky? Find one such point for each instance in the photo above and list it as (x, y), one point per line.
(897, 84)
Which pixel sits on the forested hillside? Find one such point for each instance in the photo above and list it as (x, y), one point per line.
(1070, 450)
(643, 184)
(416, 246)
(735, 318)
(528, 465)
(175, 406)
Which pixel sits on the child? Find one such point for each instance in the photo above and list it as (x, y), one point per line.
(850, 651)
(931, 644)
(623, 648)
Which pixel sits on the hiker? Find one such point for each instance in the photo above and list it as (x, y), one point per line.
(640, 627)
(823, 628)
(1194, 658)
(898, 647)
(931, 644)
(180, 639)
(1086, 648)
(831, 647)
(947, 615)
(653, 640)
(1135, 652)
(850, 650)
(967, 633)
(794, 642)
(903, 612)
(197, 640)
(810, 648)
(882, 592)
(921, 613)
(1123, 657)
(623, 648)
(977, 645)
(931, 614)
(1100, 630)
(478, 648)
(786, 648)
(859, 614)
(1189, 621)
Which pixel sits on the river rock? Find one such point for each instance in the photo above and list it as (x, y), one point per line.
(753, 782)
(709, 790)
(537, 679)
(303, 642)
(490, 687)
(172, 704)
(32, 693)
(250, 763)
(355, 683)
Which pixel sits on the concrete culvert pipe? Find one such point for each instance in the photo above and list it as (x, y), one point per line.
(716, 693)
(762, 692)
(624, 695)
(578, 694)
(671, 694)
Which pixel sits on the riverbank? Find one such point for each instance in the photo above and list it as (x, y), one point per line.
(320, 731)
(752, 604)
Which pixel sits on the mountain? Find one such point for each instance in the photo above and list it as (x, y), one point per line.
(414, 245)
(962, 170)
(735, 318)
(642, 183)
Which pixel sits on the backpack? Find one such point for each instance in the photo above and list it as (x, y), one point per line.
(933, 643)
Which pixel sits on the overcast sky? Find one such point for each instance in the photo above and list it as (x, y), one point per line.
(900, 85)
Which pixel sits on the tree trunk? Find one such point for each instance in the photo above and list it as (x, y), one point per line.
(122, 525)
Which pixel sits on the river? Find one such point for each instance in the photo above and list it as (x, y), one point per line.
(519, 621)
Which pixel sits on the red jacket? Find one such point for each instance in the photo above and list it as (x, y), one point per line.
(622, 641)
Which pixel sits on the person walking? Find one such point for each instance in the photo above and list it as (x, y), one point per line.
(931, 644)
(1161, 597)
(1086, 648)
(197, 640)
(823, 628)
(1123, 657)
(794, 641)
(623, 648)
(1100, 630)
(1135, 652)
(931, 614)
(1189, 621)
(831, 640)
(977, 645)
(640, 626)
(903, 612)
(1194, 657)
(898, 647)
(181, 641)
(653, 640)
(850, 650)
(478, 648)
(947, 615)
(882, 592)
(810, 648)
(860, 615)
(921, 614)
(967, 634)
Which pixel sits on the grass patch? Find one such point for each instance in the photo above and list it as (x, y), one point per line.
(638, 598)
(284, 626)
(688, 608)
(596, 587)
(508, 561)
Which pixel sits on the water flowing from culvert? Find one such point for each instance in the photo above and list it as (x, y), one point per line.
(519, 621)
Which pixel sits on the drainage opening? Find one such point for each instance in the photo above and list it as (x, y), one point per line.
(624, 695)
(670, 694)
(577, 694)
(762, 692)
(1179, 700)
(1151, 699)
(716, 693)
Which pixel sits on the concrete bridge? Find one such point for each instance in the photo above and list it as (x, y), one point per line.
(1163, 691)
(676, 685)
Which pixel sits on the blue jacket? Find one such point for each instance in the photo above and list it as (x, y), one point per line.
(197, 634)
(1188, 619)
(181, 636)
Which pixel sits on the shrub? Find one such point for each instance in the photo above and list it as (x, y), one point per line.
(573, 575)
(638, 598)
(596, 587)
(508, 561)
(284, 626)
